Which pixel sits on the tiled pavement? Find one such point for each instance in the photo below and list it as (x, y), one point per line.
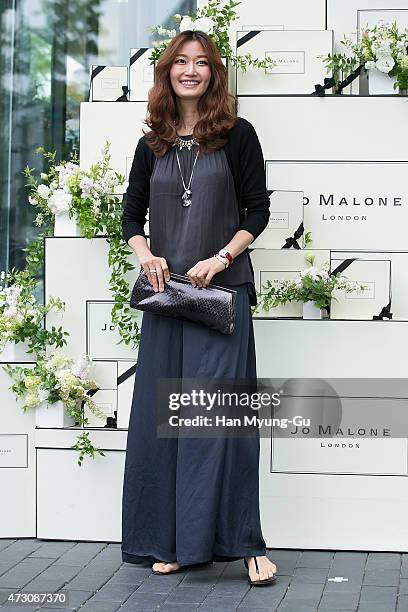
(95, 580)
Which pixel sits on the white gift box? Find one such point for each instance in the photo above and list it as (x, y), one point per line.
(291, 14)
(102, 339)
(277, 265)
(126, 383)
(285, 222)
(106, 400)
(64, 225)
(399, 267)
(348, 204)
(375, 275)
(119, 124)
(16, 352)
(296, 54)
(107, 82)
(380, 83)
(53, 415)
(141, 74)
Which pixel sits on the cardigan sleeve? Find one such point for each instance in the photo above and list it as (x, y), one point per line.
(254, 193)
(136, 198)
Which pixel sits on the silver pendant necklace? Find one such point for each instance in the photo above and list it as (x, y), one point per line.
(186, 197)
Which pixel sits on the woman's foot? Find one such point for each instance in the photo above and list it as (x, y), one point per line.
(265, 571)
(165, 568)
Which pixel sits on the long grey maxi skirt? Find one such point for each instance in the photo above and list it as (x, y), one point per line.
(190, 500)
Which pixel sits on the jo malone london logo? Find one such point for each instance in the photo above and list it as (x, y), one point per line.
(353, 204)
(287, 62)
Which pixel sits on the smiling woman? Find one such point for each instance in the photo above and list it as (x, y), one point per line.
(193, 501)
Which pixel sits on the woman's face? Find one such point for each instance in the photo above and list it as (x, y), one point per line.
(190, 72)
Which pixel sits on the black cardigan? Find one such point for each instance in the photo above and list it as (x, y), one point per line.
(246, 162)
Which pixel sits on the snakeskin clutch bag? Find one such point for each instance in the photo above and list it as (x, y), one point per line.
(213, 306)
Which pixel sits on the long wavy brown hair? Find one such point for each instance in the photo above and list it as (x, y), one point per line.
(216, 107)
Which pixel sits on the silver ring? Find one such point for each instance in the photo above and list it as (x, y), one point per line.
(153, 271)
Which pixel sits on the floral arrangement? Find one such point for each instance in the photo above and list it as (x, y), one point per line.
(89, 195)
(56, 378)
(382, 47)
(21, 316)
(312, 284)
(214, 18)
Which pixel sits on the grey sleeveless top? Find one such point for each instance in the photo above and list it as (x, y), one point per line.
(185, 234)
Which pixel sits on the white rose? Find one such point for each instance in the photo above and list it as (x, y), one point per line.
(205, 24)
(43, 191)
(369, 65)
(59, 201)
(186, 23)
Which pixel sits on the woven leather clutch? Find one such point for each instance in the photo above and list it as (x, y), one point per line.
(213, 306)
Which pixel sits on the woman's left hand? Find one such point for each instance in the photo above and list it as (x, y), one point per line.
(203, 271)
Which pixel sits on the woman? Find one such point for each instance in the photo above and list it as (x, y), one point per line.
(200, 171)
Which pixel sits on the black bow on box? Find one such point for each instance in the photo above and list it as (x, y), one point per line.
(385, 313)
(123, 97)
(292, 240)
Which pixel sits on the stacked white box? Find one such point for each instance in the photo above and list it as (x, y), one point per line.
(297, 55)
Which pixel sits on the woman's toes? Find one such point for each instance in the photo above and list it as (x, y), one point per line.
(159, 566)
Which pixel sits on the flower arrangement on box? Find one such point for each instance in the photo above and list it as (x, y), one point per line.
(59, 379)
(312, 284)
(382, 47)
(89, 195)
(214, 18)
(21, 316)
(66, 188)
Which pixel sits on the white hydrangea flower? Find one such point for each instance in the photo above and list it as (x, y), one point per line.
(205, 24)
(186, 23)
(385, 64)
(43, 191)
(59, 201)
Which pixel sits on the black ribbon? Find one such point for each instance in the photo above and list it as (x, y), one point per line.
(112, 422)
(123, 97)
(320, 90)
(341, 267)
(385, 313)
(292, 240)
(247, 37)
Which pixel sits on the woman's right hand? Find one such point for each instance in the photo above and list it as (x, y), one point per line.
(150, 262)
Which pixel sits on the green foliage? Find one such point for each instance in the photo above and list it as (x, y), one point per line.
(222, 16)
(85, 447)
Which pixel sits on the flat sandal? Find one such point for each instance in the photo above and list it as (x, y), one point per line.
(259, 582)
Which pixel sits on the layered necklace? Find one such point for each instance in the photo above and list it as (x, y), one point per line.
(182, 144)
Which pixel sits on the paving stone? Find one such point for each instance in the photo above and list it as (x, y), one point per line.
(384, 561)
(315, 558)
(86, 583)
(402, 603)
(339, 601)
(382, 577)
(51, 550)
(81, 553)
(144, 602)
(403, 589)
(404, 566)
(161, 584)
(95, 567)
(4, 542)
(193, 595)
(135, 576)
(309, 593)
(114, 592)
(273, 594)
(4, 594)
(74, 600)
(283, 554)
(22, 573)
(219, 604)
(309, 575)
(295, 607)
(378, 594)
(285, 567)
(177, 608)
(109, 606)
(376, 607)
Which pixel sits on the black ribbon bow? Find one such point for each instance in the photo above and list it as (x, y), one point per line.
(385, 312)
(123, 97)
(292, 240)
